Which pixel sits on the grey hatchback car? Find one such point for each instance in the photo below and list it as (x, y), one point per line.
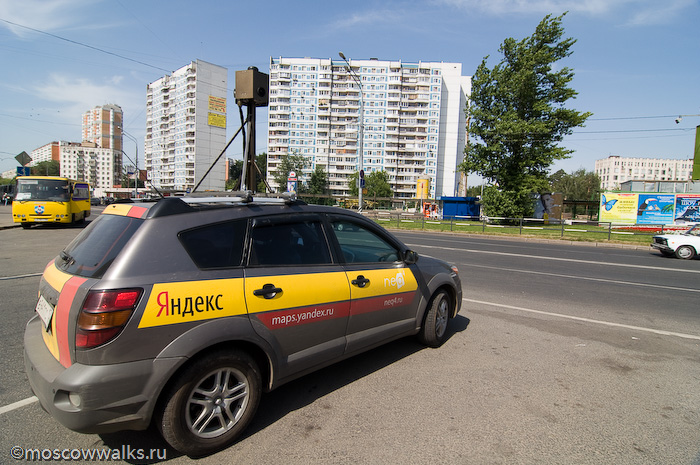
(185, 311)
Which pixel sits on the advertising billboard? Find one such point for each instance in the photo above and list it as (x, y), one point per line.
(619, 208)
(655, 208)
(687, 208)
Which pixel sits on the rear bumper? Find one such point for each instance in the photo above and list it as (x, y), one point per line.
(94, 398)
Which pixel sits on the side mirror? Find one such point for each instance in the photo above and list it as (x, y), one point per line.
(410, 257)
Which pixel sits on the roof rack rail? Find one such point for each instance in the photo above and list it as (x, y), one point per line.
(239, 197)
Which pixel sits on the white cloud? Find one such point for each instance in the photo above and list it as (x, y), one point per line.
(630, 12)
(77, 95)
(659, 12)
(369, 17)
(45, 15)
(499, 7)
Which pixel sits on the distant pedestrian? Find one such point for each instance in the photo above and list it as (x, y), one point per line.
(5, 198)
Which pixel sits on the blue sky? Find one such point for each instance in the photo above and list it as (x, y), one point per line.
(636, 62)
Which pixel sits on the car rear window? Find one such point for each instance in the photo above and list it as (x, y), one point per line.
(92, 252)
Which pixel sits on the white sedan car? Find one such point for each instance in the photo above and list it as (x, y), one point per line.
(685, 245)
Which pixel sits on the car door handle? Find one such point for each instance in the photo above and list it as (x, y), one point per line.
(268, 291)
(361, 281)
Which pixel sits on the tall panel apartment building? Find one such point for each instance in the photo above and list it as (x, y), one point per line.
(103, 126)
(48, 152)
(615, 170)
(186, 127)
(87, 161)
(414, 124)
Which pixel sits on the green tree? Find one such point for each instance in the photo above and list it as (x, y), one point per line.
(236, 169)
(234, 175)
(473, 191)
(261, 162)
(376, 183)
(516, 112)
(318, 185)
(577, 185)
(288, 163)
(506, 204)
(46, 168)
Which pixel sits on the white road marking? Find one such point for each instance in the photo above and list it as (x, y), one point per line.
(31, 275)
(585, 278)
(586, 320)
(541, 257)
(18, 404)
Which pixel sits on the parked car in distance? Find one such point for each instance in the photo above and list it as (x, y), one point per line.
(183, 312)
(685, 245)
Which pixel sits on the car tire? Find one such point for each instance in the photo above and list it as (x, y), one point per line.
(433, 333)
(685, 252)
(210, 403)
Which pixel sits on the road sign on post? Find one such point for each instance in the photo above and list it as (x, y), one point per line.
(23, 158)
(23, 171)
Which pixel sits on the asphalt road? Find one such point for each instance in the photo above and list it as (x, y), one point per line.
(561, 354)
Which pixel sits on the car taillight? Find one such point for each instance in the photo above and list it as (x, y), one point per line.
(104, 315)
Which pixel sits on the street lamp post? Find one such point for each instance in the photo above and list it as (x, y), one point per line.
(136, 163)
(357, 79)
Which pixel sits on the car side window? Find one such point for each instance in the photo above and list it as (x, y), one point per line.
(275, 243)
(217, 245)
(362, 245)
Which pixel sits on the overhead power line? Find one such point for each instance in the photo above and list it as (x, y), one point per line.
(637, 117)
(75, 42)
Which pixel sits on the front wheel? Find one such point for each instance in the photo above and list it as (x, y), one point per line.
(685, 252)
(433, 333)
(210, 403)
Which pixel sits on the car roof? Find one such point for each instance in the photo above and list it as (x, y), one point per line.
(174, 205)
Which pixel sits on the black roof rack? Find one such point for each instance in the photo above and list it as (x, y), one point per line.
(206, 200)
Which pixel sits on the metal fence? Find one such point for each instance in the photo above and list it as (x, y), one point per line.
(576, 229)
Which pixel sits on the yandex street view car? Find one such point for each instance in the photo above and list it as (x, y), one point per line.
(184, 311)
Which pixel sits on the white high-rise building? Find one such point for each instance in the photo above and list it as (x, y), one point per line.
(615, 170)
(186, 128)
(414, 124)
(87, 161)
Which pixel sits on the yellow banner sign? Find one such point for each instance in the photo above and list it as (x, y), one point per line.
(217, 104)
(217, 120)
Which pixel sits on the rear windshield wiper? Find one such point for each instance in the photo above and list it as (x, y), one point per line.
(67, 258)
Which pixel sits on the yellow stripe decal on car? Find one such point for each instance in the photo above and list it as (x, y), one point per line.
(55, 277)
(123, 209)
(298, 290)
(183, 302)
(56, 339)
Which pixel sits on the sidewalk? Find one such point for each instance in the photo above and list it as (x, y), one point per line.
(6, 217)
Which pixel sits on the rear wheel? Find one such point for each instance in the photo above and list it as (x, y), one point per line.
(210, 403)
(433, 333)
(685, 252)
